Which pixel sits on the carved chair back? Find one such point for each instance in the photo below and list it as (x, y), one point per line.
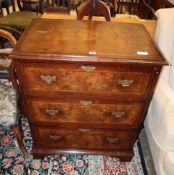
(93, 8)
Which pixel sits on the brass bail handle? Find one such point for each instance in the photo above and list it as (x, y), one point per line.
(118, 114)
(85, 102)
(49, 79)
(84, 130)
(55, 137)
(88, 68)
(51, 112)
(112, 139)
(125, 82)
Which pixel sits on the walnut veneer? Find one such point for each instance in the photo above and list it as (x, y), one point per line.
(86, 85)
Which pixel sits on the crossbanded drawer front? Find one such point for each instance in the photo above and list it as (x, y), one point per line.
(84, 138)
(54, 79)
(84, 111)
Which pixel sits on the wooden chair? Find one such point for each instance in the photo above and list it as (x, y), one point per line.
(127, 6)
(8, 101)
(56, 6)
(7, 4)
(135, 7)
(1, 10)
(113, 6)
(21, 19)
(8, 38)
(145, 11)
(93, 8)
(168, 4)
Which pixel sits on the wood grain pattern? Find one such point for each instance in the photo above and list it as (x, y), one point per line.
(71, 78)
(84, 111)
(150, 25)
(119, 40)
(76, 138)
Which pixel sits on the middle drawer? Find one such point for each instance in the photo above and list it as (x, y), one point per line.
(84, 112)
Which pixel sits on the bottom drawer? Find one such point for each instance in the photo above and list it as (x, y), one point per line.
(82, 138)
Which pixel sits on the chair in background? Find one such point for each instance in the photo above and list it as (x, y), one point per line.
(137, 8)
(8, 102)
(55, 6)
(122, 8)
(145, 10)
(111, 4)
(168, 4)
(8, 38)
(126, 6)
(93, 8)
(20, 19)
(7, 4)
(1, 11)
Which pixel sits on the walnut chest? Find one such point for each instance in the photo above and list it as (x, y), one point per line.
(86, 86)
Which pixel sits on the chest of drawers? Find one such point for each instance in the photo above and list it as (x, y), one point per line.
(86, 86)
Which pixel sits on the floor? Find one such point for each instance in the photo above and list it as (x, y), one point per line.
(146, 152)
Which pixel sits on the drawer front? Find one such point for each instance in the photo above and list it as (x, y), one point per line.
(84, 111)
(84, 138)
(57, 79)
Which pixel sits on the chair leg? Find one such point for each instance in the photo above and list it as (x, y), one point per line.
(7, 9)
(18, 136)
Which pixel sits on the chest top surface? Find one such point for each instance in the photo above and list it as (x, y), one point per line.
(95, 39)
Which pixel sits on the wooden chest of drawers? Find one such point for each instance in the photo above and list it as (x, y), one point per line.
(86, 86)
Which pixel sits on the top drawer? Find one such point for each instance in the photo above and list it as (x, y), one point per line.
(60, 79)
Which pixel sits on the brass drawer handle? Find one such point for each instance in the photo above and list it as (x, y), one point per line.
(48, 78)
(112, 139)
(125, 82)
(85, 102)
(88, 68)
(84, 130)
(55, 137)
(52, 112)
(118, 114)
